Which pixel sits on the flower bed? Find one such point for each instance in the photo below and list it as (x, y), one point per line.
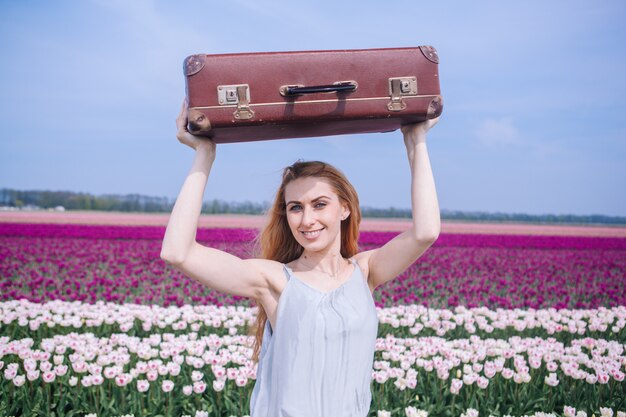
(93, 322)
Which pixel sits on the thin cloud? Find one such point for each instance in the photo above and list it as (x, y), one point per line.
(498, 132)
(502, 133)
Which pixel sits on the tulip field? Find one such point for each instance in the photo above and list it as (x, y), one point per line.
(94, 323)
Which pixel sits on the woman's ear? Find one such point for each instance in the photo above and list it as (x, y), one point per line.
(345, 214)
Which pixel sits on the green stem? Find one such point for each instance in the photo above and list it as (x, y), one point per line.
(453, 400)
(383, 395)
(48, 395)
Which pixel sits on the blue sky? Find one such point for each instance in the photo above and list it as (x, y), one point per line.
(534, 92)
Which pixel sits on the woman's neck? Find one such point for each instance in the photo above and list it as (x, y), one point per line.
(329, 263)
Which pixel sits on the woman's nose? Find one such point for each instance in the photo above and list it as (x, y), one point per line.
(308, 216)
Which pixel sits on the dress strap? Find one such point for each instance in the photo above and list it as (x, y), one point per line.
(287, 272)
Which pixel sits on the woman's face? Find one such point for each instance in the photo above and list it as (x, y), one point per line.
(314, 213)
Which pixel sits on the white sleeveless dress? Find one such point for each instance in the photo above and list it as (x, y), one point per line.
(318, 361)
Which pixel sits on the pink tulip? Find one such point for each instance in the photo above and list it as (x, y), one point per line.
(507, 373)
(603, 378)
(29, 365)
(241, 381)
(167, 385)
(173, 369)
(218, 385)
(32, 375)
(162, 370)
(552, 380)
(400, 384)
(199, 387)
(232, 373)
(470, 412)
(606, 412)
(143, 385)
(569, 411)
(123, 379)
(94, 369)
(60, 370)
(97, 379)
(535, 363)
(86, 381)
(381, 377)
(79, 367)
(19, 380)
(455, 386)
(412, 383)
(218, 370)
(141, 367)
(110, 372)
(152, 375)
(48, 376)
(10, 372)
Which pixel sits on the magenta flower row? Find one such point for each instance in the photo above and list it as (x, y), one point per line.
(366, 238)
(88, 263)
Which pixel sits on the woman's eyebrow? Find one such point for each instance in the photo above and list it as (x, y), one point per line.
(314, 200)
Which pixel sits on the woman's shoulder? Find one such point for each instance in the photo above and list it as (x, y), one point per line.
(362, 259)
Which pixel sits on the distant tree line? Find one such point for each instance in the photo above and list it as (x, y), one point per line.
(140, 203)
(479, 216)
(113, 202)
(82, 201)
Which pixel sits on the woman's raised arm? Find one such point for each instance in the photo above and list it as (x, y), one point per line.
(214, 268)
(390, 260)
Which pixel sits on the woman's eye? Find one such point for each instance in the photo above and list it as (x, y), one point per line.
(294, 207)
(320, 205)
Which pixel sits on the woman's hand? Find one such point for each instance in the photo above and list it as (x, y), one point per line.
(186, 138)
(416, 132)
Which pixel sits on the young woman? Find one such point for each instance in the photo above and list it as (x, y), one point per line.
(317, 323)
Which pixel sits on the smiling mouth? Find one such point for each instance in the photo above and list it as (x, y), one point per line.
(312, 234)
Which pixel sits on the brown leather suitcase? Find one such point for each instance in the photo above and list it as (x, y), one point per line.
(275, 95)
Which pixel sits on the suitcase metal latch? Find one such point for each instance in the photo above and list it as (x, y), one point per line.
(398, 88)
(239, 95)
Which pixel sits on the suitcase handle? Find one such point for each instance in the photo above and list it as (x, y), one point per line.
(338, 87)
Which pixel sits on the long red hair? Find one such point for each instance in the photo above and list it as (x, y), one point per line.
(276, 242)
